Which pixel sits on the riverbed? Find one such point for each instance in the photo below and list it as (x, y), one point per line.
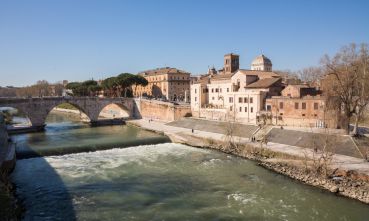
(164, 181)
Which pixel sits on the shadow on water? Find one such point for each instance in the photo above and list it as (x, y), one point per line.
(33, 196)
(38, 183)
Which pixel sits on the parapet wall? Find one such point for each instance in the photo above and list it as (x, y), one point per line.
(163, 111)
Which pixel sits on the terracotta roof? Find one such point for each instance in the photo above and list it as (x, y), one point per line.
(260, 74)
(264, 83)
(219, 77)
(159, 71)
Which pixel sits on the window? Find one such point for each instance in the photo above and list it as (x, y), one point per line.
(303, 115)
(296, 105)
(245, 99)
(212, 98)
(216, 90)
(240, 109)
(230, 108)
(316, 106)
(303, 105)
(280, 105)
(269, 108)
(281, 114)
(230, 99)
(212, 90)
(195, 98)
(245, 109)
(220, 90)
(251, 109)
(195, 91)
(227, 89)
(240, 100)
(251, 100)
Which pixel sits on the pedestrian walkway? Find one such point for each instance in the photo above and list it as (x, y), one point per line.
(339, 161)
(241, 130)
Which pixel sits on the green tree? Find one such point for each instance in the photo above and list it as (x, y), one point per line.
(125, 82)
(110, 86)
(86, 88)
(139, 80)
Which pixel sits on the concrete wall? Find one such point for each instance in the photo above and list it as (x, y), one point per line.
(158, 110)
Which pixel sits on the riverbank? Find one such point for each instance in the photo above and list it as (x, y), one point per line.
(9, 209)
(342, 175)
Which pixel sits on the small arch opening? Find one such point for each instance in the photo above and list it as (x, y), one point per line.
(15, 118)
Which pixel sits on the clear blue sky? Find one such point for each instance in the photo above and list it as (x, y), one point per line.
(79, 40)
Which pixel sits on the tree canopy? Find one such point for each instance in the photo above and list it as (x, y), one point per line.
(86, 88)
(120, 85)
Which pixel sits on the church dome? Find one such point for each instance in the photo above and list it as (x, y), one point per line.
(261, 63)
(261, 59)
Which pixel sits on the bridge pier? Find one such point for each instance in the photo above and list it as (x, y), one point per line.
(106, 122)
(30, 129)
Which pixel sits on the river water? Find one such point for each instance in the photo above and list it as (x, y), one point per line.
(162, 182)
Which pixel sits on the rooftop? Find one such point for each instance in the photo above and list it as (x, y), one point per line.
(164, 70)
(264, 83)
(260, 74)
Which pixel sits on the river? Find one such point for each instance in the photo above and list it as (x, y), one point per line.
(158, 182)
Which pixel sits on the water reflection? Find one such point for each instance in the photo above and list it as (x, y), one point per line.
(65, 133)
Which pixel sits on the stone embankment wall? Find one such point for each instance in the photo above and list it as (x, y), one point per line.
(7, 152)
(9, 209)
(3, 141)
(163, 111)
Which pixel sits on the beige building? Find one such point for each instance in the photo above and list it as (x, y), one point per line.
(236, 96)
(165, 83)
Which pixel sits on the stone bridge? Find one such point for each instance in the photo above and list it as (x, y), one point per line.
(37, 109)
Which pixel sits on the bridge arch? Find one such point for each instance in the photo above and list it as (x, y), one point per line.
(114, 110)
(69, 107)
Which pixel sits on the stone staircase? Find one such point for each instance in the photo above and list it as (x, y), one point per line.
(262, 132)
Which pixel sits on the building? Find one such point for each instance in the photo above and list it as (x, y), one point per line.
(261, 63)
(165, 83)
(232, 93)
(301, 106)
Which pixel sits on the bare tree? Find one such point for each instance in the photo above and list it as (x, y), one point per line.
(311, 74)
(347, 80)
